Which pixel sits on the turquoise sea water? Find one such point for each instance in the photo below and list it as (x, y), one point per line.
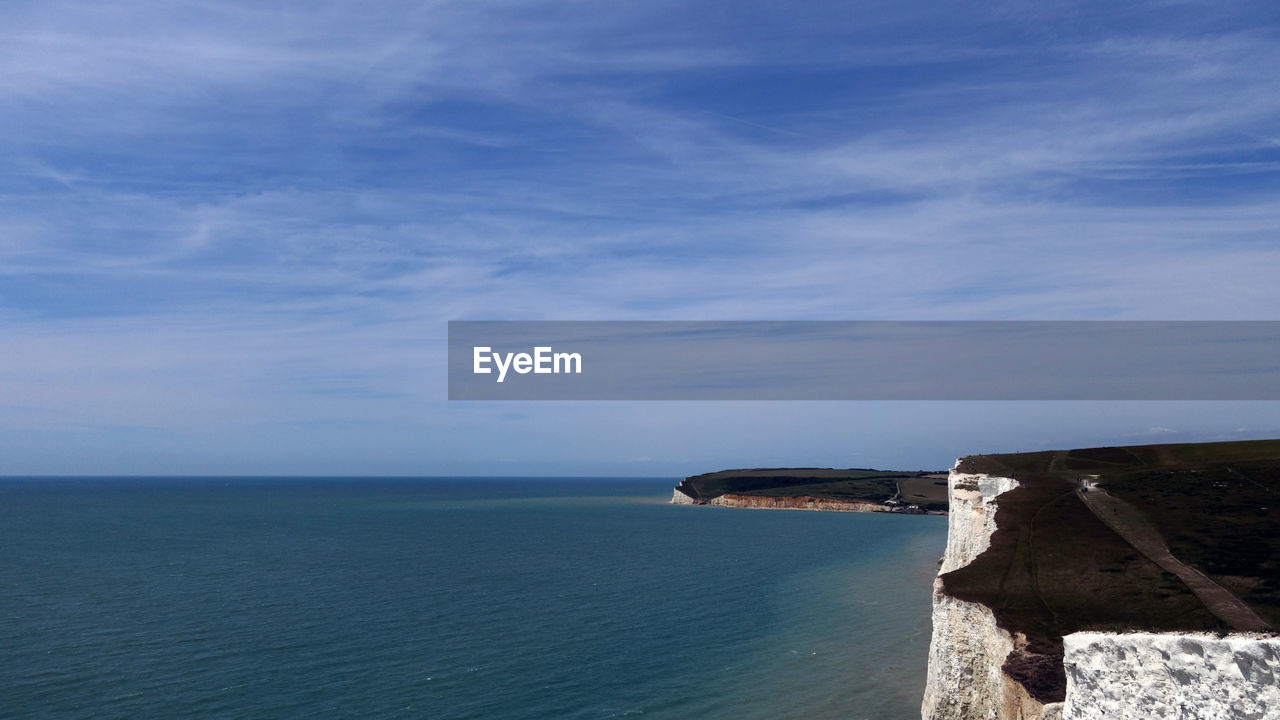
(450, 599)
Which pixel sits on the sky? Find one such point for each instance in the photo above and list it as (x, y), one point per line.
(232, 233)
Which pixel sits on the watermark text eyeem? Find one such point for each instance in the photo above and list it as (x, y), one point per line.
(543, 361)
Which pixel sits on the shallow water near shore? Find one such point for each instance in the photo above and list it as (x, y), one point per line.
(440, 598)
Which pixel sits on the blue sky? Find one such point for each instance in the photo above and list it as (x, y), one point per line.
(231, 233)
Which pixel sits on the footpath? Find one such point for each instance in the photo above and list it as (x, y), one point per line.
(1130, 524)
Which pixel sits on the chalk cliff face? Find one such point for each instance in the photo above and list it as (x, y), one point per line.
(968, 649)
(1158, 676)
(679, 498)
(966, 680)
(972, 518)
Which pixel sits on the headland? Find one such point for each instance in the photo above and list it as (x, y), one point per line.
(849, 490)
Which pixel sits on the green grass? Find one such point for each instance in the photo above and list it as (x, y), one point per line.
(929, 491)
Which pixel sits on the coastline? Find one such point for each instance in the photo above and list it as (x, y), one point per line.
(799, 502)
(1127, 619)
(917, 492)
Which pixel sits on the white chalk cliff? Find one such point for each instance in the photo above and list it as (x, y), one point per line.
(679, 498)
(1133, 676)
(968, 649)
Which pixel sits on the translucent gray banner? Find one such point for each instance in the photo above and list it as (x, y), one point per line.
(864, 360)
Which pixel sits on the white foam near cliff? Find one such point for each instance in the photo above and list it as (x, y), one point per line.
(968, 650)
(1171, 676)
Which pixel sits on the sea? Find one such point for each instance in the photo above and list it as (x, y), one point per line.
(449, 598)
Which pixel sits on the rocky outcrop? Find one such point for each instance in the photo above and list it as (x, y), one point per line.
(968, 649)
(1173, 676)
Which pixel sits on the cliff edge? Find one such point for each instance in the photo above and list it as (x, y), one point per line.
(1136, 582)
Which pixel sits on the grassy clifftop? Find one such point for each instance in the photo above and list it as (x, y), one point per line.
(925, 489)
(1055, 566)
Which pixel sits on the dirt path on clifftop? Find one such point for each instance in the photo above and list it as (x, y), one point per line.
(1129, 523)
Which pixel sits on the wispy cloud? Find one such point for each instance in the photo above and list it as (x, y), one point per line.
(238, 191)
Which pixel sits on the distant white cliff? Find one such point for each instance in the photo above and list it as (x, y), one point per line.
(679, 498)
(797, 502)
